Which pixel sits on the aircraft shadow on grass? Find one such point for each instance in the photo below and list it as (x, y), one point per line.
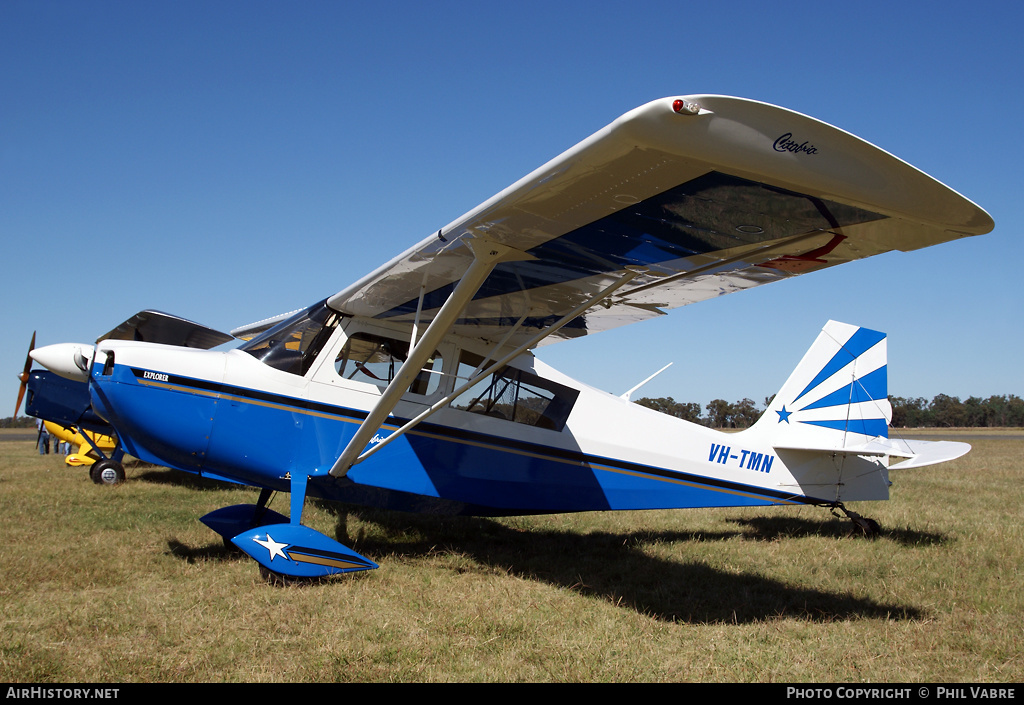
(157, 475)
(668, 590)
(626, 575)
(771, 528)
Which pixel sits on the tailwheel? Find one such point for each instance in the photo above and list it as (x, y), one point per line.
(107, 472)
(862, 526)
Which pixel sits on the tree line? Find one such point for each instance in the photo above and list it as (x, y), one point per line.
(20, 422)
(945, 411)
(942, 412)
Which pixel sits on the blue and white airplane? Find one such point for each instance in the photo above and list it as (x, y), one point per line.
(416, 388)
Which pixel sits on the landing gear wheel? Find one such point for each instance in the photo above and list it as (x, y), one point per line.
(107, 472)
(862, 526)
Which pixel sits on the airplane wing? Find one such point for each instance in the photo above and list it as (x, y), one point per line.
(251, 330)
(158, 327)
(708, 194)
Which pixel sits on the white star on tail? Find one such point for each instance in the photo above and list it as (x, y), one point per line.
(275, 548)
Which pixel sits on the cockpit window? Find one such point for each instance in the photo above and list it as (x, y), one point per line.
(515, 395)
(292, 345)
(376, 359)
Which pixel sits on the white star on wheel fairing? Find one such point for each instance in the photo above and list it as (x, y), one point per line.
(275, 548)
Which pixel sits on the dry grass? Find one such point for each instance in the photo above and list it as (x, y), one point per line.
(124, 585)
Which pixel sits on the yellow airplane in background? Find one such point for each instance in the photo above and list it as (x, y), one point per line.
(86, 442)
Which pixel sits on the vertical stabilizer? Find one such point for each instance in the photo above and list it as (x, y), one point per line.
(836, 398)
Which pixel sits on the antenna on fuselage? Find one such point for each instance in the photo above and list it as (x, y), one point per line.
(626, 395)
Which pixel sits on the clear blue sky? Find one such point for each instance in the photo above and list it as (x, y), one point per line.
(227, 161)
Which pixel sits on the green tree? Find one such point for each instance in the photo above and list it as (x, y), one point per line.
(909, 413)
(688, 411)
(719, 413)
(744, 413)
(947, 411)
(974, 412)
(1015, 410)
(997, 411)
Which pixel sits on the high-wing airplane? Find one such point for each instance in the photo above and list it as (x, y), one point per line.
(416, 387)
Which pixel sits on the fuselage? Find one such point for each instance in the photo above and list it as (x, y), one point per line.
(524, 440)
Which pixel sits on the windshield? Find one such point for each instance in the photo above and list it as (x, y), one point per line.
(292, 345)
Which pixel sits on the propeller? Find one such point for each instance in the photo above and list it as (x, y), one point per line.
(24, 375)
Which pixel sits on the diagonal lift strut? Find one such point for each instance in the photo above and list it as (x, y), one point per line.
(486, 256)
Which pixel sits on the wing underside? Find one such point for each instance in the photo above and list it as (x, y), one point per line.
(707, 201)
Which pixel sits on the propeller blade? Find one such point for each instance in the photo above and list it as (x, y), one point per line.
(24, 375)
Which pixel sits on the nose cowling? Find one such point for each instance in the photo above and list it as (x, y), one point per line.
(69, 360)
(162, 399)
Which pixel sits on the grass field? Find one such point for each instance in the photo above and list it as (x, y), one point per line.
(123, 584)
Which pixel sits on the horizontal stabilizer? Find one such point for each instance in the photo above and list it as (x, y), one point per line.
(915, 453)
(930, 453)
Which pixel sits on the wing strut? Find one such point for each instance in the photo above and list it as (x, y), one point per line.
(486, 256)
(745, 256)
(630, 274)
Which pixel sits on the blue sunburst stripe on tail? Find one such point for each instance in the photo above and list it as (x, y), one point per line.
(859, 343)
(871, 387)
(868, 427)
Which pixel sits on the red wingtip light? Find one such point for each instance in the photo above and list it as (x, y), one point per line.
(684, 107)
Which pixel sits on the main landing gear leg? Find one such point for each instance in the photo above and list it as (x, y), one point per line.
(261, 505)
(283, 547)
(862, 526)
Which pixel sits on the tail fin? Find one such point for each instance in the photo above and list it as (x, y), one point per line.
(837, 401)
(837, 397)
